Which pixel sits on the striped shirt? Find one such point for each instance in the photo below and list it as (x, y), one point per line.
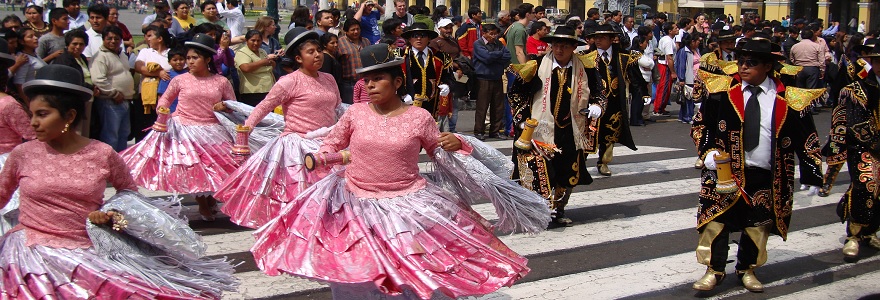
(350, 57)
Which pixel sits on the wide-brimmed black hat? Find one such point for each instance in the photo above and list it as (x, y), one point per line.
(296, 36)
(563, 34)
(604, 29)
(377, 57)
(5, 57)
(726, 33)
(874, 52)
(867, 45)
(204, 42)
(419, 27)
(59, 79)
(759, 46)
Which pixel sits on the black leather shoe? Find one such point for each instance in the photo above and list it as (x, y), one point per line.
(480, 136)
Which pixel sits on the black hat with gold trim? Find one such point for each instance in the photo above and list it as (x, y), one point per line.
(603, 29)
(867, 45)
(874, 52)
(563, 34)
(377, 57)
(419, 27)
(759, 46)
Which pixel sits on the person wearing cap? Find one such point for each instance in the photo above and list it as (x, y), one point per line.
(256, 191)
(566, 109)
(15, 127)
(187, 152)
(425, 71)
(384, 220)
(612, 66)
(759, 123)
(445, 43)
(111, 75)
(61, 178)
(852, 139)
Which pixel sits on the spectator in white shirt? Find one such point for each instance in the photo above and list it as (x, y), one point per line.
(78, 20)
(98, 19)
(629, 28)
(233, 15)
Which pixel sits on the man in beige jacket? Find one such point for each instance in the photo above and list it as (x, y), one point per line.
(111, 76)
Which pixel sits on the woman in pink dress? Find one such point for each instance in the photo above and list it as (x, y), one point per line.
(378, 228)
(254, 193)
(15, 127)
(71, 244)
(188, 152)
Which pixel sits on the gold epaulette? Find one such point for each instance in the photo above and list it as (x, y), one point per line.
(525, 71)
(710, 59)
(790, 69)
(799, 99)
(589, 59)
(716, 83)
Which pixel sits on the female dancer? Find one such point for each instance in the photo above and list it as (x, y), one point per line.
(379, 227)
(189, 152)
(54, 253)
(14, 128)
(275, 175)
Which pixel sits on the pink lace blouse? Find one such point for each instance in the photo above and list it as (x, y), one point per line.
(384, 151)
(308, 103)
(58, 191)
(197, 96)
(15, 124)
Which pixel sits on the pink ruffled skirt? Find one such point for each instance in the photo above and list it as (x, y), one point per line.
(426, 243)
(40, 272)
(274, 175)
(186, 159)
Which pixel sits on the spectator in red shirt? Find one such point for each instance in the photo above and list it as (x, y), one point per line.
(534, 46)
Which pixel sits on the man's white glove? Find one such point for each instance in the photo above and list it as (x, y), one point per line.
(647, 100)
(709, 161)
(320, 132)
(444, 90)
(595, 111)
(408, 99)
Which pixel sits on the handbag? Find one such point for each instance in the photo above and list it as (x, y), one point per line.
(675, 94)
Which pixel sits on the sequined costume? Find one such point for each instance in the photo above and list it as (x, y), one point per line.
(381, 224)
(275, 174)
(55, 253)
(15, 126)
(611, 79)
(193, 155)
(555, 97)
(422, 81)
(763, 202)
(856, 136)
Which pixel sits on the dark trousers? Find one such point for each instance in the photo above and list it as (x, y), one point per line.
(808, 78)
(491, 98)
(737, 218)
(639, 89)
(347, 91)
(252, 99)
(139, 119)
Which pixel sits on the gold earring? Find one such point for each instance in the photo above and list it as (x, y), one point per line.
(66, 128)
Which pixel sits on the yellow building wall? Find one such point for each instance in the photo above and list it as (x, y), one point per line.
(823, 11)
(733, 8)
(776, 10)
(865, 13)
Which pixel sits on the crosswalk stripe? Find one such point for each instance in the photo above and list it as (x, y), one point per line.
(666, 272)
(850, 288)
(254, 285)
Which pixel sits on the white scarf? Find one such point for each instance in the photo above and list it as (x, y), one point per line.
(543, 111)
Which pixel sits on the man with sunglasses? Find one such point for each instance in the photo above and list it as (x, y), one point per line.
(762, 125)
(424, 71)
(854, 131)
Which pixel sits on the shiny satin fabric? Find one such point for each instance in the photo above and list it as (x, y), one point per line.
(272, 176)
(186, 159)
(427, 241)
(9, 213)
(266, 130)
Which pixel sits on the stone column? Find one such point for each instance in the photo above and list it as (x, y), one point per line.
(824, 8)
(776, 9)
(865, 13)
(733, 8)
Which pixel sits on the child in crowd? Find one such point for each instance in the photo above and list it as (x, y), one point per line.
(177, 60)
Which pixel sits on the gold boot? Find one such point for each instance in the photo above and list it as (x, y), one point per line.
(874, 241)
(605, 159)
(750, 281)
(699, 164)
(851, 249)
(709, 280)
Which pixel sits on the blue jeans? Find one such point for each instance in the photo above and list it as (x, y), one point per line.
(115, 123)
(686, 112)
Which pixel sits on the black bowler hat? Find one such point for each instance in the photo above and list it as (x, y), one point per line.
(759, 46)
(718, 26)
(377, 57)
(204, 42)
(5, 57)
(296, 36)
(867, 45)
(57, 79)
(726, 33)
(604, 29)
(419, 27)
(563, 34)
